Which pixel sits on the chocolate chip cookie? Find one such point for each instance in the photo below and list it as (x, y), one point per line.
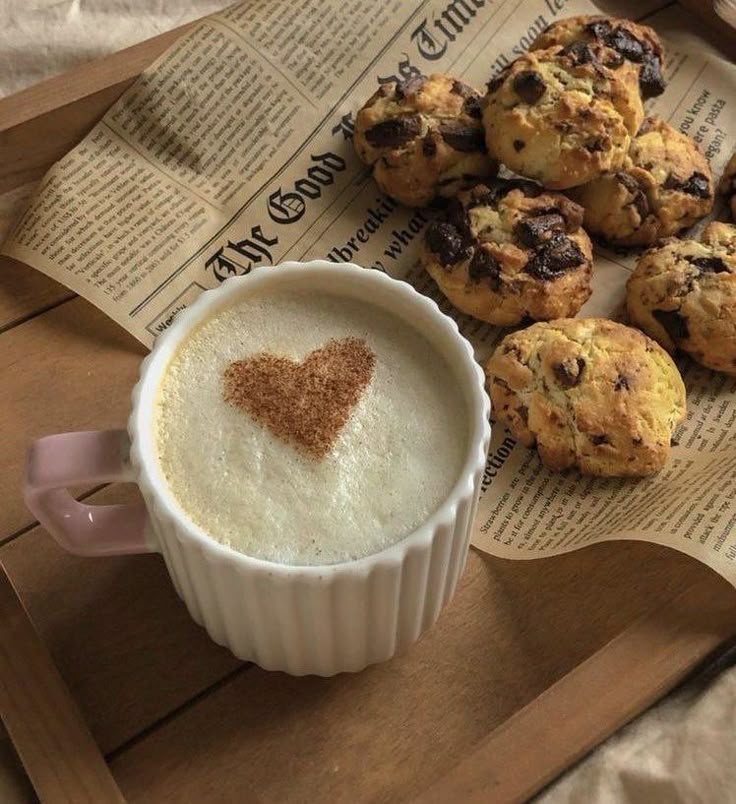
(590, 394)
(564, 115)
(638, 44)
(727, 184)
(664, 186)
(508, 251)
(683, 294)
(423, 138)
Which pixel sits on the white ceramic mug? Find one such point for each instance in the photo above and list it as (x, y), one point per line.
(300, 619)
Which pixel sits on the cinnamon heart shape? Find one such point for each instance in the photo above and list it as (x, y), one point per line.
(307, 403)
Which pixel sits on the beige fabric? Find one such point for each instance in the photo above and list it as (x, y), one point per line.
(680, 752)
(40, 38)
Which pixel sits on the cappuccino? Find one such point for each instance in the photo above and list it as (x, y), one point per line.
(308, 428)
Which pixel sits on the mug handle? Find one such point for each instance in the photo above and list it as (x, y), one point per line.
(58, 461)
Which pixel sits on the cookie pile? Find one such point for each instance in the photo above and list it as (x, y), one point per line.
(423, 139)
(567, 118)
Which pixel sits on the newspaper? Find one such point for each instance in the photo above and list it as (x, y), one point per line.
(234, 151)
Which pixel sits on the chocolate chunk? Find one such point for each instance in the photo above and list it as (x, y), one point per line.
(512, 349)
(639, 199)
(529, 86)
(523, 412)
(438, 202)
(463, 138)
(554, 257)
(483, 199)
(496, 81)
(458, 217)
(628, 181)
(569, 373)
(648, 124)
(579, 53)
(599, 29)
(485, 266)
(472, 107)
(519, 145)
(697, 184)
(597, 440)
(626, 44)
(651, 80)
(642, 204)
(530, 188)
(463, 90)
(622, 381)
(637, 441)
(672, 182)
(598, 144)
(551, 210)
(410, 86)
(429, 146)
(394, 132)
(499, 188)
(444, 240)
(709, 265)
(674, 323)
(534, 231)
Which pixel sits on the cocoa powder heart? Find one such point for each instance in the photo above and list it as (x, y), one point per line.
(307, 403)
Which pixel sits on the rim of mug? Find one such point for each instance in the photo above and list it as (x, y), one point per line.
(156, 490)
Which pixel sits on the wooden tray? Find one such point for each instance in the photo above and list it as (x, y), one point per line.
(532, 665)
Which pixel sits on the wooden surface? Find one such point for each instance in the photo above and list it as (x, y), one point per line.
(55, 745)
(531, 665)
(717, 26)
(519, 756)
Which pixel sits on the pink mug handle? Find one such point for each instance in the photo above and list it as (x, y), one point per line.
(56, 462)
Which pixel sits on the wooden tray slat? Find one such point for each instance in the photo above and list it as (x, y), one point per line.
(603, 693)
(57, 750)
(25, 293)
(513, 630)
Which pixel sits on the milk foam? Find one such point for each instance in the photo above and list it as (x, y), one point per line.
(394, 462)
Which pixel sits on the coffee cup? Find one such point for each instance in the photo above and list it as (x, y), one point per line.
(299, 618)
